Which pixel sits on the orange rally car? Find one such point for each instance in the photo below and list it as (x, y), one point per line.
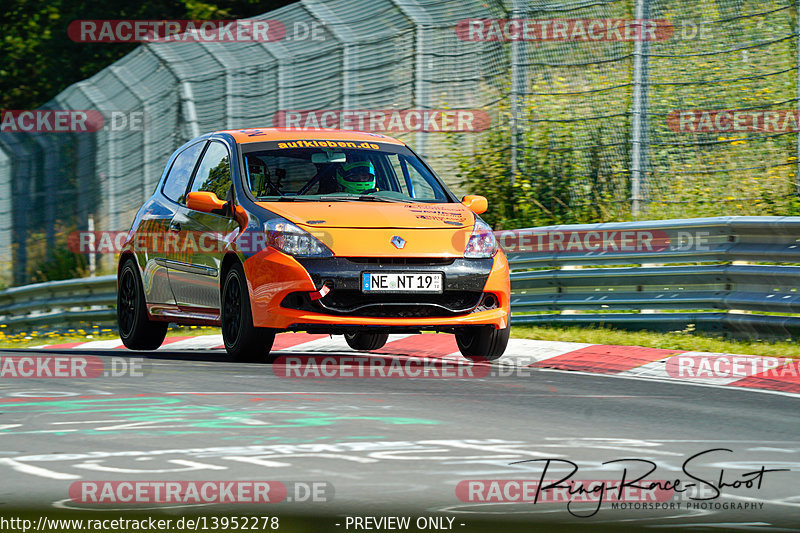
(261, 230)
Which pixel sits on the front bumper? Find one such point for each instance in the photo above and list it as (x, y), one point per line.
(475, 292)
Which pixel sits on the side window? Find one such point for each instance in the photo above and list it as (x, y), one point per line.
(214, 172)
(181, 171)
(412, 183)
(397, 170)
(269, 174)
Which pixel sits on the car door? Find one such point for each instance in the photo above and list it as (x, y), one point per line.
(194, 268)
(160, 211)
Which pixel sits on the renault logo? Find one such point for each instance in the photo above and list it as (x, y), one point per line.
(398, 242)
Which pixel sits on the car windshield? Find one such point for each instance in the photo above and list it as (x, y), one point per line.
(320, 170)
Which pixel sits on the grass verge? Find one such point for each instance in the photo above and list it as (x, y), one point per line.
(39, 338)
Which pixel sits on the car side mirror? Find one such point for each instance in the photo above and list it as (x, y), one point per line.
(478, 204)
(240, 215)
(205, 201)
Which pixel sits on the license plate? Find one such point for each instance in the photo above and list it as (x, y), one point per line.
(401, 282)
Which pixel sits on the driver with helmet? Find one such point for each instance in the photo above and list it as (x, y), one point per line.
(356, 177)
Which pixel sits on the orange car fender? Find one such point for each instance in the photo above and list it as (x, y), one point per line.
(271, 275)
(499, 282)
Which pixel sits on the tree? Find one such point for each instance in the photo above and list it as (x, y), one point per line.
(38, 60)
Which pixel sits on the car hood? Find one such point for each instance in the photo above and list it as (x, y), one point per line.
(367, 229)
(373, 214)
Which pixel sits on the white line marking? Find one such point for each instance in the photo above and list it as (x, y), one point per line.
(99, 345)
(40, 431)
(312, 393)
(256, 461)
(36, 470)
(745, 526)
(201, 342)
(190, 467)
(198, 466)
(84, 422)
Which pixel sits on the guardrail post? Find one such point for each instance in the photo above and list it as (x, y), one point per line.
(92, 256)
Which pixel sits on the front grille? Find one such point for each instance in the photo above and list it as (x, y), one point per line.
(350, 302)
(424, 261)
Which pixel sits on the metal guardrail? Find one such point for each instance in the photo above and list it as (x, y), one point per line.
(576, 274)
(60, 304)
(590, 272)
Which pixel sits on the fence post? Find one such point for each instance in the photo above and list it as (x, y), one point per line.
(516, 89)
(189, 110)
(92, 256)
(21, 178)
(639, 111)
(6, 218)
(112, 215)
(350, 57)
(420, 87)
(423, 23)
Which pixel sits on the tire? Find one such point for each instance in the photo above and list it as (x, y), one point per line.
(243, 341)
(482, 343)
(364, 342)
(136, 329)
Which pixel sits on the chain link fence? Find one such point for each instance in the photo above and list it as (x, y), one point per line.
(578, 128)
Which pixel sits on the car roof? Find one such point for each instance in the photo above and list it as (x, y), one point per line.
(251, 135)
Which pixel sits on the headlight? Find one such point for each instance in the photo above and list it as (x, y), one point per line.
(482, 243)
(289, 239)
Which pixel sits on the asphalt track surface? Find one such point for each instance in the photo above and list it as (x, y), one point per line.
(396, 447)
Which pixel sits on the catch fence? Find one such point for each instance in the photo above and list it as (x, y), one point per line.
(586, 129)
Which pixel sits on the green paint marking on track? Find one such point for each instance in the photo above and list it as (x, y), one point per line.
(158, 413)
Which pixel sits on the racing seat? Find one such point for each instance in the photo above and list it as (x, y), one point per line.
(327, 179)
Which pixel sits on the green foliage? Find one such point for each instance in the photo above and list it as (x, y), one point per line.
(39, 60)
(219, 180)
(556, 182)
(575, 124)
(62, 264)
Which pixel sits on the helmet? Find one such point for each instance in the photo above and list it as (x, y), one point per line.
(356, 177)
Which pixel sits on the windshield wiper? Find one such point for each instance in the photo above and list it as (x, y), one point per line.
(281, 199)
(363, 197)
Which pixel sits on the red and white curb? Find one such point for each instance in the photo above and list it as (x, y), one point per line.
(781, 375)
